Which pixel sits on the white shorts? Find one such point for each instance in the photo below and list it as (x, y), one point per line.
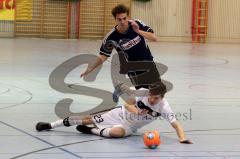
(110, 119)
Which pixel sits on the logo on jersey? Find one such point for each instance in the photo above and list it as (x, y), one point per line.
(126, 45)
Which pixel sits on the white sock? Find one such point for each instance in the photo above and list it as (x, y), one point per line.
(57, 123)
(75, 120)
(69, 121)
(105, 132)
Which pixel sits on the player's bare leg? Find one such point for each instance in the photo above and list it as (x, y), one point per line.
(69, 121)
(114, 132)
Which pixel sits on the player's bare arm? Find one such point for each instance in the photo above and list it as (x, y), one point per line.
(148, 35)
(180, 132)
(130, 105)
(100, 60)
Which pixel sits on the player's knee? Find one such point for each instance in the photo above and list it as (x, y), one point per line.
(117, 132)
(87, 117)
(87, 120)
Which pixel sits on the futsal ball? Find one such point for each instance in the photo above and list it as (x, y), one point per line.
(151, 139)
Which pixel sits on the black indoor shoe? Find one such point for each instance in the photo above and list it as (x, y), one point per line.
(84, 129)
(43, 126)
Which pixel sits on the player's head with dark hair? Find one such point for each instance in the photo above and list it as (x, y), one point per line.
(157, 91)
(120, 9)
(157, 88)
(121, 15)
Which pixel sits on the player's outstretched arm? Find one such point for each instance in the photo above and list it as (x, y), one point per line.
(100, 60)
(180, 132)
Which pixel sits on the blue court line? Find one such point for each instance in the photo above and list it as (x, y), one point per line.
(22, 131)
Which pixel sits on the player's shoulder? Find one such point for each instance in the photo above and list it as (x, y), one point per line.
(162, 103)
(111, 32)
(109, 35)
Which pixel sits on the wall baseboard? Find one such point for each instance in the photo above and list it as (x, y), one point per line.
(6, 35)
(189, 39)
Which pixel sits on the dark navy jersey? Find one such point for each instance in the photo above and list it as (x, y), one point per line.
(133, 44)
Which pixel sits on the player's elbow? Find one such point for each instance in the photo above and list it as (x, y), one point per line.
(154, 39)
(103, 58)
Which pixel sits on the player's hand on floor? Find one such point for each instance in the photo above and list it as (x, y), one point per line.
(186, 142)
(86, 72)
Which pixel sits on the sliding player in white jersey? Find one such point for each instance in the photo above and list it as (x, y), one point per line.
(124, 121)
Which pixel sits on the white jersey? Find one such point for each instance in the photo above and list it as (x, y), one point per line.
(121, 117)
(161, 109)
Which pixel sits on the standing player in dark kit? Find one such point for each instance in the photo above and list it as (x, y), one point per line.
(131, 36)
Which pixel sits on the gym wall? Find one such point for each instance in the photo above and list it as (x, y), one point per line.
(95, 17)
(224, 21)
(61, 19)
(49, 19)
(171, 19)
